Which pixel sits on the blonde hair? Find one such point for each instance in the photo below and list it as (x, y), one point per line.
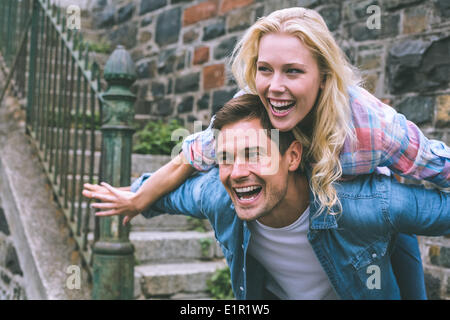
(332, 113)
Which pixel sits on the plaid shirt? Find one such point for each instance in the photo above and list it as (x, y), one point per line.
(385, 138)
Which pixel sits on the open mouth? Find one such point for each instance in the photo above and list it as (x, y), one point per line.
(248, 194)
(281, 108)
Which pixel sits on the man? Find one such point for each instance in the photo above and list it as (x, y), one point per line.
(267, 222)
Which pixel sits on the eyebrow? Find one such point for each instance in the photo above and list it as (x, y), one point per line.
(285, 65)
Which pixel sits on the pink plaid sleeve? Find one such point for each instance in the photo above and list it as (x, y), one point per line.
(199, 149)
(387, 138)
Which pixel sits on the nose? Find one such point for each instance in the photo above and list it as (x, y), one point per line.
(277, 83)
(239, 171)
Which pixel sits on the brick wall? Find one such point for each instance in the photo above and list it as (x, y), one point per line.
(181, 49)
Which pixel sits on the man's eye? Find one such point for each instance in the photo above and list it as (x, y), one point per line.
(225, 158)
(253, 155)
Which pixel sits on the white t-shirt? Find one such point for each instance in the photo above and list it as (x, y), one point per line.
(287, 255)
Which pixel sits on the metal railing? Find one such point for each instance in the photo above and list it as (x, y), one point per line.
(50, 66)
(15, 21)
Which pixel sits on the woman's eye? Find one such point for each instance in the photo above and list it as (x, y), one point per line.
(293, 70)
(263, 69)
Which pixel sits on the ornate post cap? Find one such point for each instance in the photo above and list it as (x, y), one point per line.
(120, 66)
(120, 74)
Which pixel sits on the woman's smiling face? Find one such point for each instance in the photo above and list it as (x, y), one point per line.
(287, 79)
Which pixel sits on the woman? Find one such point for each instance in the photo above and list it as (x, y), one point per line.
(292, 62)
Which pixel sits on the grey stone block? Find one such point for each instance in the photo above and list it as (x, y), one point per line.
(220, 97)
(124, 35)
(151, 5)
(187, 83)
(225, 48)
(169, 279)
(125, 13)
(186, 105)
(332, 16)
(173, 246)
(417, 109)
(214, 30)
(168, 26)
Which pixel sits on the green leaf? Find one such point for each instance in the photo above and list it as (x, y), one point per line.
(155, 138)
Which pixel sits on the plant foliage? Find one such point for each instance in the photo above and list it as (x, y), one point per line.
(219, 285)
(155, 138)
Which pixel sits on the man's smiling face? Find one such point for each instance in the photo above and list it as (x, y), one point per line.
(246, 158)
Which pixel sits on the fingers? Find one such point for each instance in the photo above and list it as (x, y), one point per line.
(87, 194)
(110, 188)
(103, 197)
(106, 205)
(107, 213)
(90, 189)
(128, 219)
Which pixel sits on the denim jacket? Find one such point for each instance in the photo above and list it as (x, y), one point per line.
(353, 247)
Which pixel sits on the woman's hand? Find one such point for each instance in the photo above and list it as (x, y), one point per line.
(114, 200)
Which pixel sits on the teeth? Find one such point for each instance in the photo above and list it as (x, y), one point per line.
(246, 189)
(247, 199)
(280, 104)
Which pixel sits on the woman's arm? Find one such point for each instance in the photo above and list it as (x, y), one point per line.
(198, 154)
(386, 138)
(120, 201)
(164, 180)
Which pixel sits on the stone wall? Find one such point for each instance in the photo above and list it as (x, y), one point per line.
(181, 49)
(11, 275)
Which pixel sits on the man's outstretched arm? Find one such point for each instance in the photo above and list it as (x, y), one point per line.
(164, 180)
(185, 200)
(414, 209)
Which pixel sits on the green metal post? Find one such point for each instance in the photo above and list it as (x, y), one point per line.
(113, 253)
(33, 55)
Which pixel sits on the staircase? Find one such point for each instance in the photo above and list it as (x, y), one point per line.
(173, 261)
(175, 255)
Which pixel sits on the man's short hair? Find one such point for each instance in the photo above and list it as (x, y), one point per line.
(249, 107)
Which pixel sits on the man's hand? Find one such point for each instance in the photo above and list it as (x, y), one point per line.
(114, 200)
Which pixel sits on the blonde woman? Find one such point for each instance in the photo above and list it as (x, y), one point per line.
(292, 62)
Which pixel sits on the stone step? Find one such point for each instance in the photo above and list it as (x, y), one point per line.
(168, 222)
(171, 279)
(141, 163)
(162, 223)
(158, 246)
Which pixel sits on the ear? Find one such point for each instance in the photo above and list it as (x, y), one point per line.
(294, 154)
(322, 82)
